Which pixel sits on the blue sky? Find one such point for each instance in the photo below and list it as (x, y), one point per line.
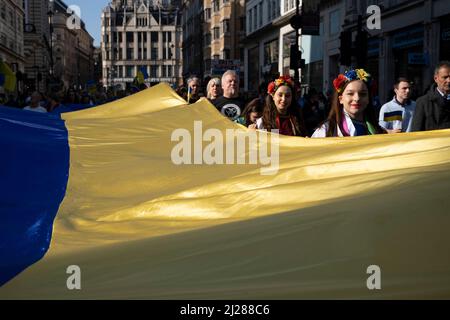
(91, 11)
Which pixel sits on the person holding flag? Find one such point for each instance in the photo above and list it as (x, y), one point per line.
(193, 89)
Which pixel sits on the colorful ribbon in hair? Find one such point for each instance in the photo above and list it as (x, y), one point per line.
(281, 81)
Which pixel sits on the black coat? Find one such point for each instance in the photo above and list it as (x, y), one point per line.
(432, 112)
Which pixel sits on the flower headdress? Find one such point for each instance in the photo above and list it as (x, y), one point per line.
(356, 74)
(281, 81)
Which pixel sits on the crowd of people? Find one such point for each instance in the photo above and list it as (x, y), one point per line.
(350, 111)
(52, 100)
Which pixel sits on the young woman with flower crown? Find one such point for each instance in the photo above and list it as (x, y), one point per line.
(351, 112)
(281, 110)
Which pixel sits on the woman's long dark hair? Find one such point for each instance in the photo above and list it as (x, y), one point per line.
(270, 115)
(255, 105)
(336, 114)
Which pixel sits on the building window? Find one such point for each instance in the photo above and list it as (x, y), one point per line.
(288, 5)
(216, 33)
(155, 55)
(226, 54)
(271, 52)
(130, 54)
(130, 71)
(260, 14)
(207, 14)
(226, 25)
(154, 37)
(215, 5)
(335, 21)
(207, 39)
(154, 71)
(351, 5)
(130, 37)
(242, 23)
(250, 21)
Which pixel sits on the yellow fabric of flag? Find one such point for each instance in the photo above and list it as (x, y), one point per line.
(141, 227)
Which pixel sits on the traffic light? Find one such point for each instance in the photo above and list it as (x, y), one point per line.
(346, 48)
(361, 48)
(296, 58)
(361, 44)
(296, 22)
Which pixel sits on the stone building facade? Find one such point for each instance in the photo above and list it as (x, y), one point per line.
(141, 35)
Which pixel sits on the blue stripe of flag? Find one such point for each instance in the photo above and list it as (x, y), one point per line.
(34, 170)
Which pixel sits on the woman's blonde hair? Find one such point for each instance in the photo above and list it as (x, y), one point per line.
(215, 81)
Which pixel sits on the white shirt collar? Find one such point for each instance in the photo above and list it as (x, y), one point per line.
(446, 96)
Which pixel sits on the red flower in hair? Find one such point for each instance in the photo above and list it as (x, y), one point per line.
(339, 82)
(271, 88)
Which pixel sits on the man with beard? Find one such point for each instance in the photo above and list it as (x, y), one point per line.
(230, 104)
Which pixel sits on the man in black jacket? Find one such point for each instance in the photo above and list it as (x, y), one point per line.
(230, 104)
(433, 109)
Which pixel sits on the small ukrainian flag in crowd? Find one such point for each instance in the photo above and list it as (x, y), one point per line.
(7, 77)
(189, 94)
(142, 75)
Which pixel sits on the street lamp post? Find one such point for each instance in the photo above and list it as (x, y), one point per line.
(78, 63)
(297, 13)
(295, 56)
(50, 22)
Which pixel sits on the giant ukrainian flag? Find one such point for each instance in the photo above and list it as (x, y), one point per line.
(98, 190)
